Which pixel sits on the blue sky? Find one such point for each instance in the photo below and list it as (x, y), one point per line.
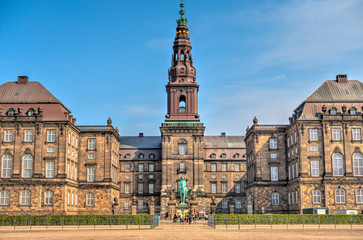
(111, 58)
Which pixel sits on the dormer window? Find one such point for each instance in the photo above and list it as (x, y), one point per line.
(127, 156)
(353, 111)
(333, 111)
(182, 107)
(236, 155)
(30, 112)
(223, 155)
(152, 156)
(213, 155)
(10, 112)
(141, 156)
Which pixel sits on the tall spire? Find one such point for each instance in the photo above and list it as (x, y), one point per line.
(182, 20)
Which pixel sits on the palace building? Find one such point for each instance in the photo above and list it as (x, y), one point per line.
(51, 165)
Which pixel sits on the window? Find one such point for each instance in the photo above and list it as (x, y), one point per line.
(69, 198)
(141, 176)
(214, 176)
(27, 166)
(91, 156)
(237, 167)
(140, 188)
(274, 173)
(292, 171)
(25, 197)
(90, 199)
(224, 167)
(151, 167)
(152, 156)
(237, 176)
(273, 155)
(151, 176)
(51, 136)
(182, 166)
(91, 144)
(315, 169)
(126, 205)
(224, 204)
(316, 197)
(336, 134)
(356, 134)
(358, 164)
(141, 156)
(140, 204)
(289, 168)
(50, 149)
(182, 107)
(224, 176)
(30, 112)
(237, 188)
(214, 187)
(333, 111)
(68, 170)
(127, 156)
(213, 167)
(297, 169)
(28, 136)
(182, 148)
(8, 135)
(48, 198)
(213, 155)
(313, 135)
(292, 198)
(236, 155)
(289, 198)
(353, 111)
(297, 197)
(49, 173)
(273, 143)
(10, 112)
(127, 167)
(223, 155)
(314, 148)
(275, 199)
(90, 174)
(338, 164)
(69, 138)
(359, 196)
(238, 204)
(340, 196)
(127, 188)
(4, 197)
(151, 188)
(141, 167)
(224, 187)
(7, 166)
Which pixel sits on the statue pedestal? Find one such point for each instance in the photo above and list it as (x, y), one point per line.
(182, 210)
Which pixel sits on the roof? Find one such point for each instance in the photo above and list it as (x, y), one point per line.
(224, 142)
(31, 92)
(334, 91)
(140, 142)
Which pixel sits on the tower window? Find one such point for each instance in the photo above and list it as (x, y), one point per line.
(182, 107)
(182, 148)
(11, 112)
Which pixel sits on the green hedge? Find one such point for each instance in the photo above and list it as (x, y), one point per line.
(57, 220)
(231, 219)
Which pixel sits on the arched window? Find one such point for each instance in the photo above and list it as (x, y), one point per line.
(7, 166)
(48, 198)
(182, 166)
(182, 107)
(182, 56)
(275, 199)
(176, 57)
(340, 196)
(182, 148)
(127, 156)
(338, 164)
(316, 197)
(333, 111)
(213, 155)
(223, 155)
(4, 197)
(353, 111)
(358, 164)
(141, 156)
(236, 155)
(359, 196)
(27, 166)
(30, 112)
(151, 156)
(90, 199)
(10, 112)
(25, 197)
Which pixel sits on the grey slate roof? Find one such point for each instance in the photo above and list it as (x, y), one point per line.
(140, 142)
(224, 142)
(333, 91)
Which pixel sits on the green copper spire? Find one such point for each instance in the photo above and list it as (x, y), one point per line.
(182, 20)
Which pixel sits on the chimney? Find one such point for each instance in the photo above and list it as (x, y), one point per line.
(342, 78)
(223, 134)
(23, 79)
(141, 135)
